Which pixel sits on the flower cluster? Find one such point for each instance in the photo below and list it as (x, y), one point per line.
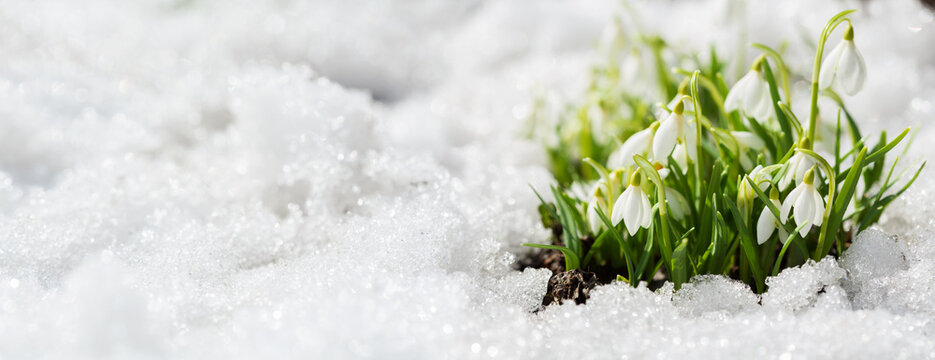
(717, 180)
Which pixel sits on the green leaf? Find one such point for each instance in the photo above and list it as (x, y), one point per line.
(680, 264)
(876, 209)
(784, 122)
(882, 151)
(748, 243)
(844, 198)
(627, 252)
(665, 246)
(571, 260)
(792, 238)
(571, 222)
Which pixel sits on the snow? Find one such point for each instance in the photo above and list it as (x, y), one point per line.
(332, 179)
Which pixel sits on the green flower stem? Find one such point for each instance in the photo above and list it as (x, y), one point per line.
(783, 70)
(832, 189)
(710, 86)
(665, 246)
(825, 33)
(699, 154)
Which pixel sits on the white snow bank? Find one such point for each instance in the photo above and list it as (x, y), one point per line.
(181, 179)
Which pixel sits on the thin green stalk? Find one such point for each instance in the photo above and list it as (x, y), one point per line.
(699, 155)
(783, 70)
(829, 171)
(825, 33)
(665, 246)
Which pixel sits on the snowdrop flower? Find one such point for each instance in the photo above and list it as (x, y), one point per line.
(661, 169)
(633, 207)
(767, 223)
(807, 202)
(671, 131)
(844, 68)
(751, 95)
(663, 111)
(680, 155)
(798, 165)
(746, 194)
(637, 144)
(747, 141)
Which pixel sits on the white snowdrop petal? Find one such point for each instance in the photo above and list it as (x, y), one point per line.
(829, 67)
(851, 70)
(791, 170)
(735, 97)
(616, 214)
(681, 158)
(631, 209)
(665, 139)
(639, 142)
(691, 140)
(786, 179)
(805, 162)
(787, 204)
(646, 210)
(753, 97)
(765, 226)
(802, 212)
(819, 206)
(616, 159)
(764, 107)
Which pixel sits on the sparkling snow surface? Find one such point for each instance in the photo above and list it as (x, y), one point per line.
(349, 179)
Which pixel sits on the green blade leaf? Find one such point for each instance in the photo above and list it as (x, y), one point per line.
(571, 260)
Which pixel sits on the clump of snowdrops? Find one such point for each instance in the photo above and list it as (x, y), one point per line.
(717, 180)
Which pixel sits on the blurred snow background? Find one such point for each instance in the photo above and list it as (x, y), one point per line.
(348, 179)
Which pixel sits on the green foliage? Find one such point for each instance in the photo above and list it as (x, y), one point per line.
(731, 177)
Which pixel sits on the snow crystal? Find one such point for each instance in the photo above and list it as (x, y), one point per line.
(332, 179)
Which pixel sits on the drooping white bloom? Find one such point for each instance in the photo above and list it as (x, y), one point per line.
(680, 155)
(807, 202)
(798, 166)
(747, 141)
(767, 223)
(639, 143)
(664, 111)
(673, 130)
(633, 207)
(745, 193)
(844, 68)
(750, 95)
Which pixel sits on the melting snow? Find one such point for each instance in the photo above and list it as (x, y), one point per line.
(342, 179)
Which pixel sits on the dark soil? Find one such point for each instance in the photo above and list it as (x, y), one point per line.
(543, 259)
(577, 284)
(570, 285)
(566, 285)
